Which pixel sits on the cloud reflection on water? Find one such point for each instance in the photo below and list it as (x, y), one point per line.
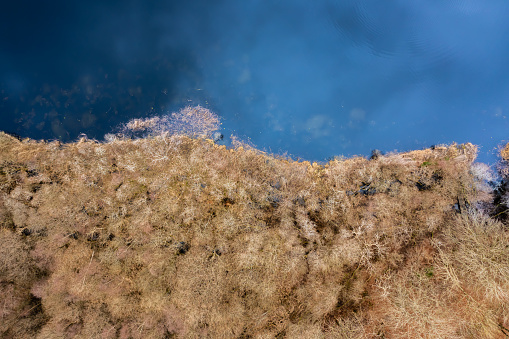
(291, 75)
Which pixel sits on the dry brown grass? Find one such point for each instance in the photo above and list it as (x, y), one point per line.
(170, 236)
(504, 163)
(504, 153)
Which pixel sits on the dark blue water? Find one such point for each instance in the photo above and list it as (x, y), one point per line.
(312, 78)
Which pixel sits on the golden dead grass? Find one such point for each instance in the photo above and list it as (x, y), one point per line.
(170, 236)
(504, 153)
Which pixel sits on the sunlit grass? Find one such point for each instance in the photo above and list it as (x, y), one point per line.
(171, 236)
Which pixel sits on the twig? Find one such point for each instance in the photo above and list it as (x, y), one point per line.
(85, 274)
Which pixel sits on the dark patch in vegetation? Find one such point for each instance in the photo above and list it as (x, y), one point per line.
(182, 247)
(367, 189)
(227, 202)
(74, 235)
(274, 200)
(422, 186)
(375, 154)
(501, 210)
(93, 237)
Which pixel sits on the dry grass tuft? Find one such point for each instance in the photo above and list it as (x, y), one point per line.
(191, 121)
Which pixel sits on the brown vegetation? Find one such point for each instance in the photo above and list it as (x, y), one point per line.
(170, 236)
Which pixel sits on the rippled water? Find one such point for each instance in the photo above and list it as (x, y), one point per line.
(312, 78)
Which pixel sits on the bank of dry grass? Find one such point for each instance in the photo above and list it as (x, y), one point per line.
(178, 237)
